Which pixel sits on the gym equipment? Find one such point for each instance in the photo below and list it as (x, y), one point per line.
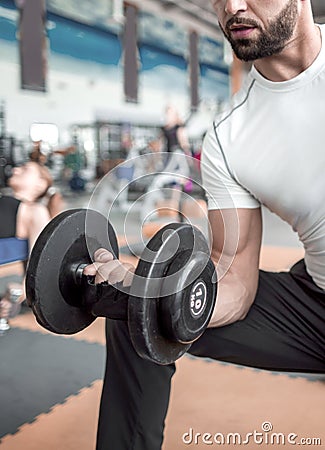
(13, 293)
(13, 249)
(4, 325)
(77, 183)
(168, 305)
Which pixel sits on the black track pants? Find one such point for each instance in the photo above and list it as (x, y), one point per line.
(284, 330)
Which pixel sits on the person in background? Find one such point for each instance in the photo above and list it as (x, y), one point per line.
(24, 214)
(174, 132)
(37, 154)
(176, 166)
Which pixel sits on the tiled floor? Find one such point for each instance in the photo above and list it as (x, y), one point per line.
(207, 397)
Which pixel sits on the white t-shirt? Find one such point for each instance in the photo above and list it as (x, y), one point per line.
(268, 148)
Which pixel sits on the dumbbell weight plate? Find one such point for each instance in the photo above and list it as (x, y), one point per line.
(63, 242)
(150, 287)
(187, 310)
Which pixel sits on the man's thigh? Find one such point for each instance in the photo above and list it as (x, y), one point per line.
(284, 329)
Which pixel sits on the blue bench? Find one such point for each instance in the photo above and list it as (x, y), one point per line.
(13, 249)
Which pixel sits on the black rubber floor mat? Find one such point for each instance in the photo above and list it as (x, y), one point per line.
(38, 371)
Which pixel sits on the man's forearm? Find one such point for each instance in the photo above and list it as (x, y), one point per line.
(235, 297)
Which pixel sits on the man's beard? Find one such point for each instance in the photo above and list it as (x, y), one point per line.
(270, 41)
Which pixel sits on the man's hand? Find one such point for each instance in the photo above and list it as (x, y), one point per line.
(106, 268)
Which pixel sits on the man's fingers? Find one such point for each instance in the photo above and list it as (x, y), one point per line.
(113, 272)
(107, 269)
(122, 273)
(129, 276)
(92, 269)
(102, 255)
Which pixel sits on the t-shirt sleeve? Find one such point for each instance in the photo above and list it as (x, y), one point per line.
(222, 189)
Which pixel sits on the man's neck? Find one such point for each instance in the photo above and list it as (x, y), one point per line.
(297, 56)
(24, 196)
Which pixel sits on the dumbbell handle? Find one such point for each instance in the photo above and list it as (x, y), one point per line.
(104, 299)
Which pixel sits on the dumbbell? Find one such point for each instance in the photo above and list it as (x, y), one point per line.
(168, 305)
(13, 292)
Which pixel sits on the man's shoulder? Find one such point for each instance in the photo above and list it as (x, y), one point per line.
(237, 103)
(32, 210)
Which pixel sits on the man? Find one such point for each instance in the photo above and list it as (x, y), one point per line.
(23, 217)
(266, 148)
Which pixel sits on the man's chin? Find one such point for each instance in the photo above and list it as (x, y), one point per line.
(245, 57)
(244, 54)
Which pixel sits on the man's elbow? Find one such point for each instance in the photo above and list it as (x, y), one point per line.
(233, 311)
(245, 306)
(242, 312)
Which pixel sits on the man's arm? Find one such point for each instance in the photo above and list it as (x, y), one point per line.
(236, 244)
(236, 236)
(183, 140)
(31, 219)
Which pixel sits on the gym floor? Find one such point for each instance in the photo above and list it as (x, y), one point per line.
(50, 385)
